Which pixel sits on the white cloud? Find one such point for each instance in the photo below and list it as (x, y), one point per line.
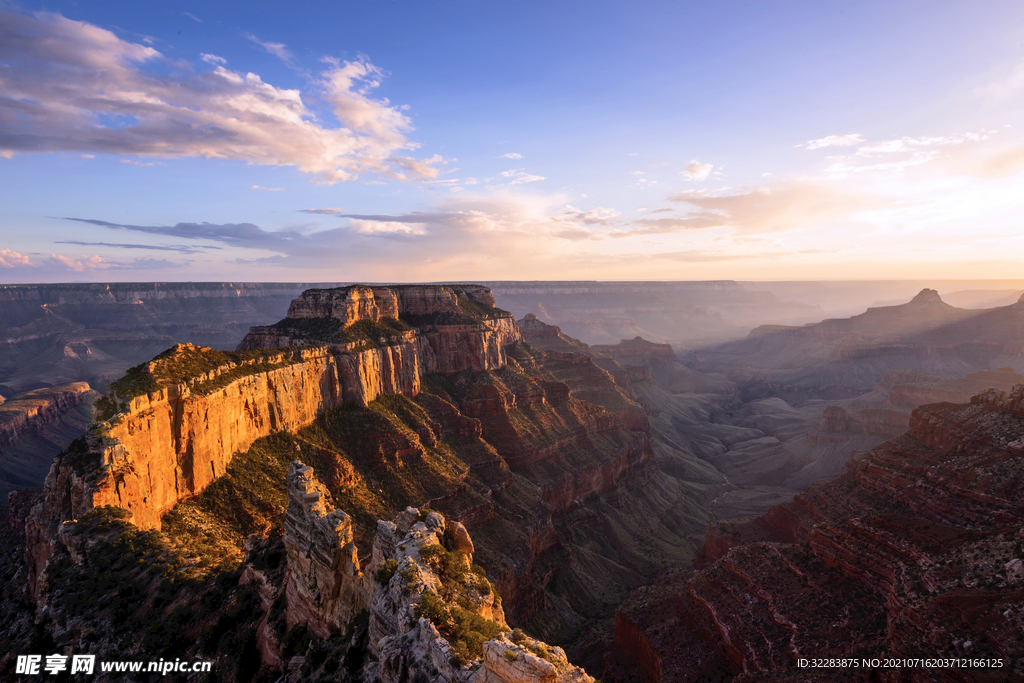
(899, 152)
(697, 171)
(78, 265)
(326, 212)
(212, 59)
(598, 216)
(908, 144)
(265, 189)
(279, 50)
(11, 259)
(140, 163)
(519, 176)
(511, 155)
(364, 227)
(761, 210)
(62, 79)
(192, 17)
(851, 140)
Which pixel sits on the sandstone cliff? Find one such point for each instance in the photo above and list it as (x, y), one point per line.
(537, 453)
(453, 327)
(176, 422)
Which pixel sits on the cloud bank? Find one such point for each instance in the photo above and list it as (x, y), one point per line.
(69, 86)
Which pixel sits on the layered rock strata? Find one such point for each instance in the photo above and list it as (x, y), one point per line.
(37, 408)
(175, 423)
(910, 553)
(456, 327)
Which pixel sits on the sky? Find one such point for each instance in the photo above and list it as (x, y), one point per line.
(433, 140)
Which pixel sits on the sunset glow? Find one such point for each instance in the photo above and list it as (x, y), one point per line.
(457, 141)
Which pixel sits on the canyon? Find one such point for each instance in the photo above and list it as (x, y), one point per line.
(912, 551)
(840, 358)
(398, 396)
(581, 476)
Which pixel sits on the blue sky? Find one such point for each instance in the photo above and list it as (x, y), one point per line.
(436, 140)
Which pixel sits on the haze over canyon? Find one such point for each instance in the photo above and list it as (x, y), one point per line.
(442, 483)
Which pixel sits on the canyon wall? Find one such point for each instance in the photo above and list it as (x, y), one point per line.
(911, 552)
(176, 423)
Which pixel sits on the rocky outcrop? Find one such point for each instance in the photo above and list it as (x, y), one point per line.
(456, 327)
(427, 584)
(348, 304)
(324, 586)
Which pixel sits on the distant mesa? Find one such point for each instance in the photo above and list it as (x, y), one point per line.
(927, 296)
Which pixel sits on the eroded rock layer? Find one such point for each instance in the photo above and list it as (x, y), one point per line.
(912, 552)
(173, 425)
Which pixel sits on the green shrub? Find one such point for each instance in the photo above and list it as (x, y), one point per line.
(386, 571)
(465, 630)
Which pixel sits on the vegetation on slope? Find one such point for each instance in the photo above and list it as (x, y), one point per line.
(371, 460)
(332, 331)
(452, 609)
(135, 593)
(182, 363)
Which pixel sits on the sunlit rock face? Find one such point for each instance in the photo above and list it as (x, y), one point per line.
(171, 438)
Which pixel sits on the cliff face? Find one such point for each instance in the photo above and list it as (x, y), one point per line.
(538, 454)
(176, 423)
(910, 552)
(173, 442)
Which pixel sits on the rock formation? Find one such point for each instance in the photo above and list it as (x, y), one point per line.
(175, 423)
(433, 614)
(428, 588)
(325, 588)
(537, 453)
(456, 327)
